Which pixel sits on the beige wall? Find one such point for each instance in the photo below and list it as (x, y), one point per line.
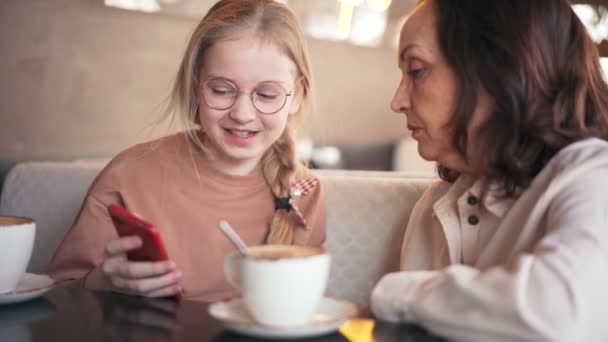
(81, 80)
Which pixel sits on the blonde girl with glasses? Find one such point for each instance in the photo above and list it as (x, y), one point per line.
(243, 83)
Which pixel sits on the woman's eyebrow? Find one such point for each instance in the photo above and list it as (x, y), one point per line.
(403, 53)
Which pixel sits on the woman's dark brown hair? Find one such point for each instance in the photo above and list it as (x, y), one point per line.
(537, 63)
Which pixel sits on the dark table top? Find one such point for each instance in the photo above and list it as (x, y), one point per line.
(74, 314)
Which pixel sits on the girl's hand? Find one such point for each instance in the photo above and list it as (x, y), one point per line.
(143, 278)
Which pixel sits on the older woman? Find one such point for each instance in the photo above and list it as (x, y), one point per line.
(509, 99)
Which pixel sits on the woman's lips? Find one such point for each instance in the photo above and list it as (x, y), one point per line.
(416, 131)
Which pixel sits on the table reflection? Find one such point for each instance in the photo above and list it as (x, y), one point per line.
(23, 313)
(227, 337)
(76, 314)
(15, 319)
(131, 318)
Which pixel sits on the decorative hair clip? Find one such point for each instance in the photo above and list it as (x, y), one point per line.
(296, 191)
(303, 187)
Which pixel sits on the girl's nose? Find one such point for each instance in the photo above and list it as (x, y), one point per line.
(243, 110)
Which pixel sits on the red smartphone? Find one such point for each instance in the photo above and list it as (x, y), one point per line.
(128, 224)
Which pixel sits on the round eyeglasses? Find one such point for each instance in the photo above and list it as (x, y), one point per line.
(267, 98)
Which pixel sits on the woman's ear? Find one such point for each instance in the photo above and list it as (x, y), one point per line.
(297, 97)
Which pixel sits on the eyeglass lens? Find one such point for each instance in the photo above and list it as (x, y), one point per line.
(267, 98)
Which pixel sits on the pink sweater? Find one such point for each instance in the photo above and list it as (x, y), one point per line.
(168, 183)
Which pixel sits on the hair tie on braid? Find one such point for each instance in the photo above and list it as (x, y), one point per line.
(282, 203)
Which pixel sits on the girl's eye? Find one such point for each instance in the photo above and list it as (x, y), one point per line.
(266, 96)
(222, 91)
(268, 92)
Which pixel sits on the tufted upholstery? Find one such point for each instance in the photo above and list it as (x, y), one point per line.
(366, 213)
(51, 193)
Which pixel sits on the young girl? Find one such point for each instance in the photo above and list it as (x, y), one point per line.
(244, 80)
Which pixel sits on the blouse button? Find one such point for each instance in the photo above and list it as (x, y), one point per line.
(472, 200)
(473, 220)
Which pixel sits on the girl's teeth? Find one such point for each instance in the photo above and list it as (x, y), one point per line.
(242, 134)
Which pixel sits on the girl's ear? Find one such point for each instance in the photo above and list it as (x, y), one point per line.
(297, 97)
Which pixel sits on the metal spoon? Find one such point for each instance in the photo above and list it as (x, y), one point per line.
(234, 237)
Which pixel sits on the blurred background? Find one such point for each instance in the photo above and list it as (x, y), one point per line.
(88, 78)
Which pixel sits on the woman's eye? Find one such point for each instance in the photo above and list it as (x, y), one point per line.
(416, 73)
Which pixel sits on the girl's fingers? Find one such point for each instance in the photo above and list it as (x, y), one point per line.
(122, 245)
(150, 279)
(145, 286)
(134, 270)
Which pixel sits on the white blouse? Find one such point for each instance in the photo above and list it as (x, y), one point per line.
(476, 267)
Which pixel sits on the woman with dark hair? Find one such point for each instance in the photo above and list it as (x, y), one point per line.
(508, 97)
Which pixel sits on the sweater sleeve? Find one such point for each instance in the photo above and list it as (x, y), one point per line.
(81, 250)
(555, 292)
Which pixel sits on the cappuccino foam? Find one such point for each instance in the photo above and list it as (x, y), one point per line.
(276, 252)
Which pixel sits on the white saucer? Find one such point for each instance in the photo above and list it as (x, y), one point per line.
(31, 286)
(330, 315)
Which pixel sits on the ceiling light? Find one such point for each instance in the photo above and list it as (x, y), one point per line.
(135, 5)
(595, 19)
(379, 5)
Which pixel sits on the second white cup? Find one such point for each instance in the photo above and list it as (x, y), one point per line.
(16, 244)
(282, 285)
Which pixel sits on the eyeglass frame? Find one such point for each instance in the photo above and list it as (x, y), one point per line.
(239, 93)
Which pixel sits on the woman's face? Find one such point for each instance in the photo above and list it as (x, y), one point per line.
(238, 136)
(427, 92)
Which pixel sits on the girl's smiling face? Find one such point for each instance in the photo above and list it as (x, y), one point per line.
(239, 136)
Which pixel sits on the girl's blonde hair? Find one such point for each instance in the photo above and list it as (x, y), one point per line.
(272, 22)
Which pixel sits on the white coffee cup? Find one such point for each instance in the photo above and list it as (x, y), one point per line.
(282, 285)
(16, 244)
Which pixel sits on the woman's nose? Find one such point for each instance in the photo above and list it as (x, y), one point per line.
(401, 100)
